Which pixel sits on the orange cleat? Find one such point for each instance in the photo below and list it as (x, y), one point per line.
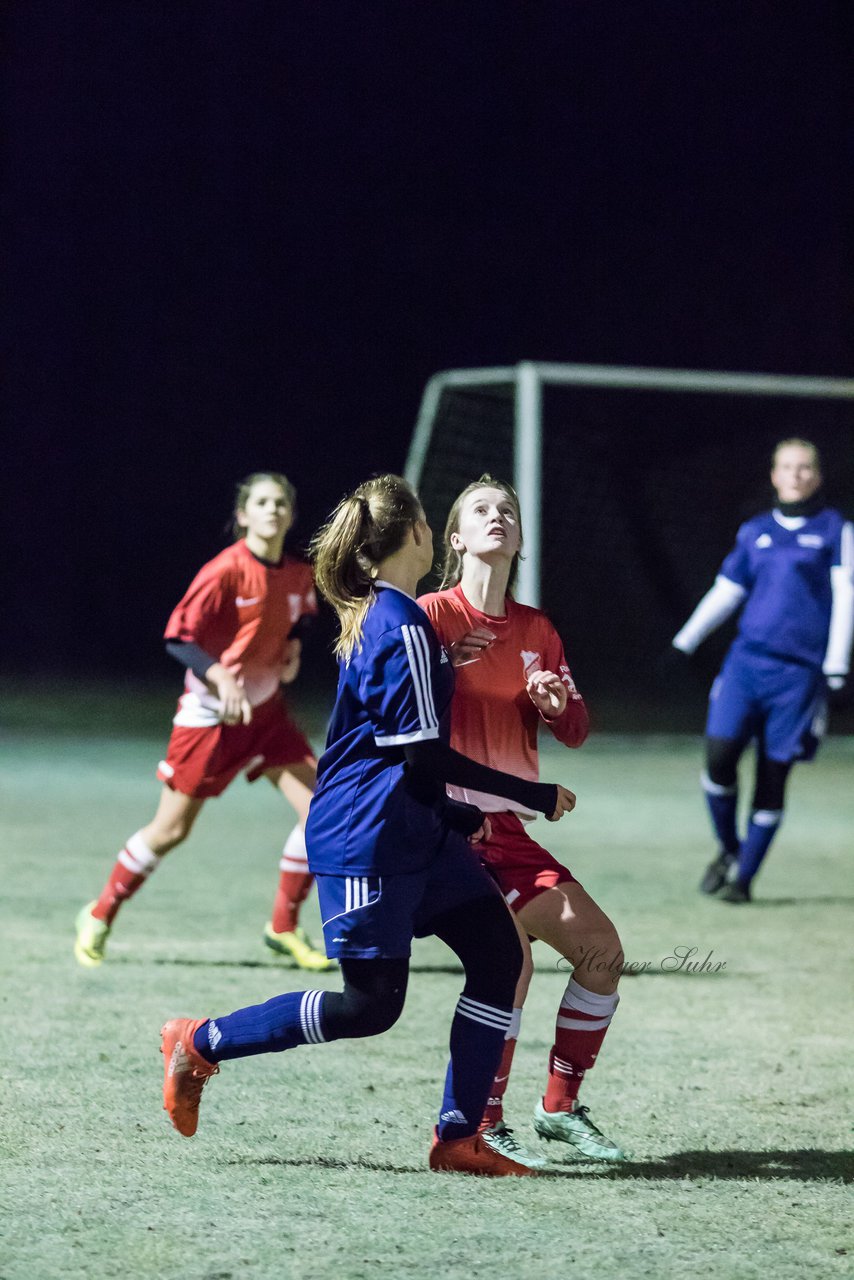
(473, 1155)
(186, 1073)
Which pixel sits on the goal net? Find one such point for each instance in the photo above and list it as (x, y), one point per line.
(632, 484)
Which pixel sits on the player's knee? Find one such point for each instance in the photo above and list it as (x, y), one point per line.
(372, 999)
(769, 793)
(495, 966)
(170, 834)
(722, 755)
(359, 1015)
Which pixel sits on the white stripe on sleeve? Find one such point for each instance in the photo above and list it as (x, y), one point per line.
(422, 649)
(837, 656)
(715, 607)
(419, 666)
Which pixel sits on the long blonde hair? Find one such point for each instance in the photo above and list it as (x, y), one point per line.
(363, 529)
(452, 570)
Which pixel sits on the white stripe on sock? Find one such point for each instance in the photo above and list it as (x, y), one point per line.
(715, 788)
(295, 845)
(309, 1016)
(581, 1024)
(486, 1014)
(288, 864)
(584, 1001)
(137, 856)
(767, 817)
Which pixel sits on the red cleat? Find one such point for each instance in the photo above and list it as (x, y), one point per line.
(472, 1155)
(186, 1073)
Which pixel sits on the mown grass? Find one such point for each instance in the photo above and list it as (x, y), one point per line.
(727, 1086)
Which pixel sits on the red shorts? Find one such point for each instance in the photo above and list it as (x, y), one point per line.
(521, 868)
(202, 762)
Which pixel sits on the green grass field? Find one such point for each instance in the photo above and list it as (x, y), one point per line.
(727, 1087)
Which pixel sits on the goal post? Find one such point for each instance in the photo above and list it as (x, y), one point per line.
(496, 422)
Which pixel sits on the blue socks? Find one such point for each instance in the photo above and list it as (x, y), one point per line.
(722, 802)
(762, 828)
(478, 1032)
(282, 1023)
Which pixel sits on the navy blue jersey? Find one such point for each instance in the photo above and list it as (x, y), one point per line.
(395, 689)
(784, 566)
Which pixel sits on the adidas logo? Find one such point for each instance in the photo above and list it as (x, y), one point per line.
(453, 1117)
(214, 1034)
(179, 1062)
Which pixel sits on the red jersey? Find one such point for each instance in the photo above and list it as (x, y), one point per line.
(240, 611)
(492, 718)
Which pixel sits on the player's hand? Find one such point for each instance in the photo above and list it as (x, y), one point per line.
(483, 834)
(470, 646)
(235, 707)
(548, 694)
(291, 661)
(565, 804)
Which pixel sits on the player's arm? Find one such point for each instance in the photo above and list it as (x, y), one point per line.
(206, 594)
(227, 687)
(716, 606)
(291, 660)
(433, 762)
(556, 697)
(837, 657)
(396, 689)
(292, 653)
(721, 601)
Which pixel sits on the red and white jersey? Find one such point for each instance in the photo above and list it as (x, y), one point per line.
(493, 720)
(240, 611)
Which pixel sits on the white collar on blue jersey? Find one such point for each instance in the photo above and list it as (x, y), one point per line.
(380, 582)
(789, 522)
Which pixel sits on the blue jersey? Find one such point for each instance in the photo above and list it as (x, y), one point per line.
(395, 689)
(784, 566)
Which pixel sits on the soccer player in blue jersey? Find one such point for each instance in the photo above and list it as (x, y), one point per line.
(389, 850)
(791, 569)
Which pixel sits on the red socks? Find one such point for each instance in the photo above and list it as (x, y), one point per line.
(135, 864)
(495, 1103)
(582, 1022)
(295, 881)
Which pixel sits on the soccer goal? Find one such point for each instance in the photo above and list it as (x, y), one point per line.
(632, 482)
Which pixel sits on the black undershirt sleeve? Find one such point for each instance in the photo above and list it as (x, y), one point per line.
(432, 764)
(190, 655)
(461, 817)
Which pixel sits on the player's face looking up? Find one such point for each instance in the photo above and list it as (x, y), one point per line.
(267, 513)
(488, 525)
(796, 473)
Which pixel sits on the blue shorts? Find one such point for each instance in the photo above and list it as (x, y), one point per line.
(781, 704)
(367, 917)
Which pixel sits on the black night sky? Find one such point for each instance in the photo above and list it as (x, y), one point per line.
(245, 234)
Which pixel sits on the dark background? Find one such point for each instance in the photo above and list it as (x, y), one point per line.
(243, 235)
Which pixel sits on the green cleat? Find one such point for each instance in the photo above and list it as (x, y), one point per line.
(91, 941)
(576, 1128)
(499, 1138)
(298, 946)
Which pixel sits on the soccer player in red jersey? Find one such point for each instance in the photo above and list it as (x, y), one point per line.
(512, 676)
(237, 631)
